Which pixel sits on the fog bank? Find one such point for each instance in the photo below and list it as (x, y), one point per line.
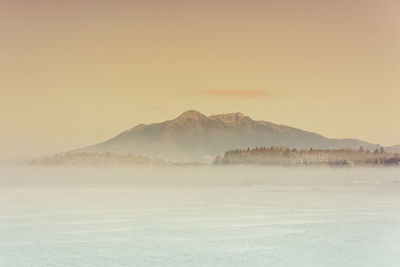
(199, 216)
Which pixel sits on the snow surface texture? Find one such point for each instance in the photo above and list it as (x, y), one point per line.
(199, 217)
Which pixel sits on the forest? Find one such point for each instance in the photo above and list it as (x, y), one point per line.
(283, 156)
(85, 158)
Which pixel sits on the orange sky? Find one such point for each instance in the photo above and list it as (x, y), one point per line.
(74, 73)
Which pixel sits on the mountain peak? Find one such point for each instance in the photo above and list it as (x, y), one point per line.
(191, 114)
(237, 114)
(230, 117)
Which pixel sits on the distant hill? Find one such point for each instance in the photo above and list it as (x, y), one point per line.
(193, 136)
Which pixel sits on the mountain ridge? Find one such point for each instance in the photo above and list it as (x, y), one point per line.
(193, 136)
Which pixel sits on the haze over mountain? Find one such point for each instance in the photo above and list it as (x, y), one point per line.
(193, 136)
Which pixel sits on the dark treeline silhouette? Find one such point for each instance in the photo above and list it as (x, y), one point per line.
(283, 156)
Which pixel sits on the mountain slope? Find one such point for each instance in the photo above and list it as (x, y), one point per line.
(192, 136)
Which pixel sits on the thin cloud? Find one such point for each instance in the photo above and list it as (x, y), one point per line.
(236, 92)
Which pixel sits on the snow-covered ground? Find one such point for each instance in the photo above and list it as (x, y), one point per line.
(199, 217)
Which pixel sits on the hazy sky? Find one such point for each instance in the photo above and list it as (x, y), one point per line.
(74, 73)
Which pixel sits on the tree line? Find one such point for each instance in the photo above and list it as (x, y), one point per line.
(283, 156)
(85, 158)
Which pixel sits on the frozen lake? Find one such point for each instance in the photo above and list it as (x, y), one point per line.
(199, 217)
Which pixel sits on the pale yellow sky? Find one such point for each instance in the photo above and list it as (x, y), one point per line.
(74, 73)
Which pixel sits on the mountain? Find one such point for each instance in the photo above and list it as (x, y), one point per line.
(193, 136)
